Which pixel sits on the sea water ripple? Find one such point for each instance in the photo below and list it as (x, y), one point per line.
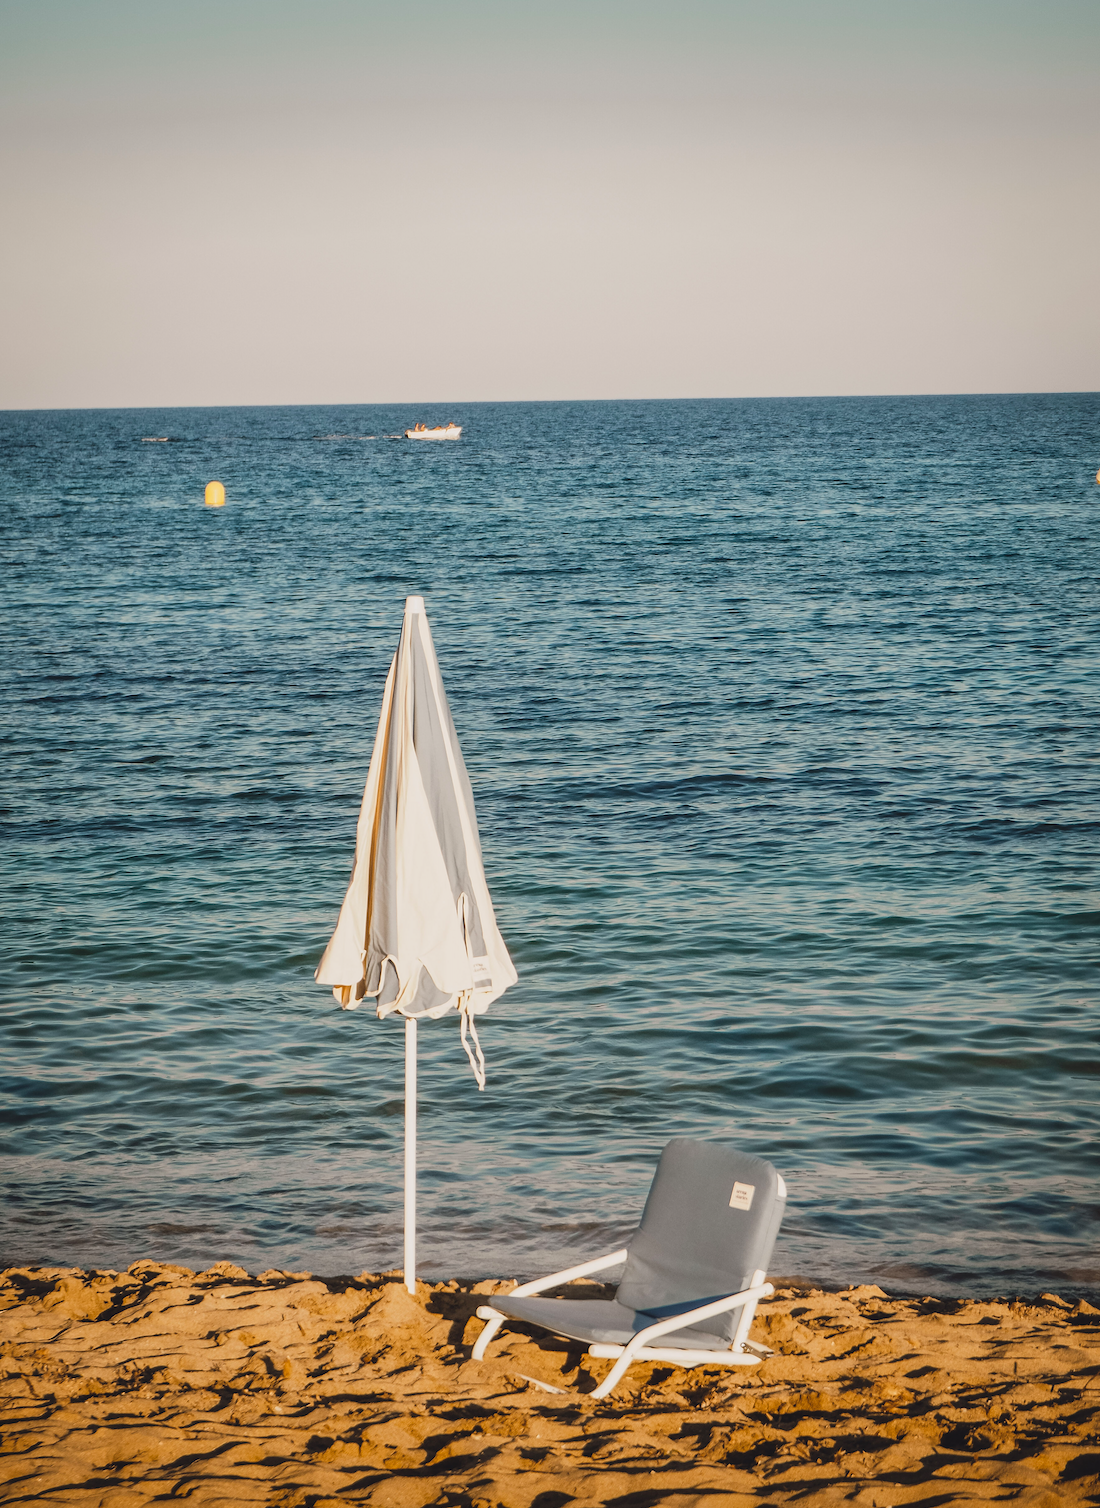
(781, 720)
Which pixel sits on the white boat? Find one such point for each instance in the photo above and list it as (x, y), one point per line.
(434, 432)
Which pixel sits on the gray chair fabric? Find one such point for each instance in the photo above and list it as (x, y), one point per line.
(708, 1227)
(602, 1320)
(696, 1240)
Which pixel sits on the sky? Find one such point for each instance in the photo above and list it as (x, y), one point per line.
(344, 201)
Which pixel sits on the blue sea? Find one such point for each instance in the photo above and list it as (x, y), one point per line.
(781, 722)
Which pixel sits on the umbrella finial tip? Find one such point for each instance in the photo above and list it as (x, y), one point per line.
(414, 604)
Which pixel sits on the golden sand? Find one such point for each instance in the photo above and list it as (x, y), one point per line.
(161, 1385)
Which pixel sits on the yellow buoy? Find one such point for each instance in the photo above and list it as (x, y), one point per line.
(215, 495)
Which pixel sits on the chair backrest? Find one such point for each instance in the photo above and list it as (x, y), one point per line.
(709, 1225)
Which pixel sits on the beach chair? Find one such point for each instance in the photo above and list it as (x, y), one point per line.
(695, 1270)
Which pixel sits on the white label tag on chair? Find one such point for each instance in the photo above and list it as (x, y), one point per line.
(741, 1198)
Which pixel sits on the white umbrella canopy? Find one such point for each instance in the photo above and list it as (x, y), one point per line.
(417, 933)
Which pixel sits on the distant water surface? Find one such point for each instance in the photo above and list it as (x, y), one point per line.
(781, 718)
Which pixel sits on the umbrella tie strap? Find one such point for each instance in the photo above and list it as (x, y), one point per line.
(466, 1022)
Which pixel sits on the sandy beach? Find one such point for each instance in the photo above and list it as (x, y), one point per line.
(286, 1389)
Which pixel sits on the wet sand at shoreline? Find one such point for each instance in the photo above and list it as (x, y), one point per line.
(218, 1388)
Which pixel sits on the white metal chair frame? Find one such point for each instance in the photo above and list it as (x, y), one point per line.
(742, 1352)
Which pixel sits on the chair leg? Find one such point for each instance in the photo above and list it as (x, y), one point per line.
(748, 1314)
(614, 1376)
(493, 1321)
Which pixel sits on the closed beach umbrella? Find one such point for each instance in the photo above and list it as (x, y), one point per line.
(416, 933)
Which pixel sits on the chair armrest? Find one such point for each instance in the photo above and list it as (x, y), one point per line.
(642, 1338)
(568, 1273)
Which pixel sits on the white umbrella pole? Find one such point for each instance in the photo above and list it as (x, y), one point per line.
(410, 1154)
